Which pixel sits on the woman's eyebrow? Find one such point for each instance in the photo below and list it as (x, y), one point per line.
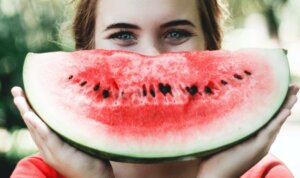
(122, 25)
(176, 23)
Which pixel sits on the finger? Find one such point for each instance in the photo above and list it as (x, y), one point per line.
(34, 135)
(31, 119)
(50, 139)
(37, 124)
(17, 91)
(265, 137)
(38, 135)
(22, 105)
(274, 126)
(290, 102)
(293, 89)
(39, 142)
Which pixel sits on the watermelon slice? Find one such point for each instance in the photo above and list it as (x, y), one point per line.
(128, 107)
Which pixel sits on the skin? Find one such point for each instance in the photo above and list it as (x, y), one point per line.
(175, 26)
(153, 36)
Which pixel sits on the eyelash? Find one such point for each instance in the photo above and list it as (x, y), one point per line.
(118, 34)
(182, 33)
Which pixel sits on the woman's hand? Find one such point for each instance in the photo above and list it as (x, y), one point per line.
(235, 161)
(67, 160)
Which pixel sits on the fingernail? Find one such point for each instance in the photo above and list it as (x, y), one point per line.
(12, 92)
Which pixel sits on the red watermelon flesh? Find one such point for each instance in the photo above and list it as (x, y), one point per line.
(126, 105)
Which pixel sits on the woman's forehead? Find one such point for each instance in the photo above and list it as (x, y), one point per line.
(139, 11)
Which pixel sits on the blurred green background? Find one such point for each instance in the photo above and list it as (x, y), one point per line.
(36, 26)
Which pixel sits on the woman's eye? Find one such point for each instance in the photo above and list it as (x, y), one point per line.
(124, 38)
(177, 36)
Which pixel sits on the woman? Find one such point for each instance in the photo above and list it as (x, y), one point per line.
(149, 27)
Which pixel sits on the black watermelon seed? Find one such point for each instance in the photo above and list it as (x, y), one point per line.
(83, 83)
(105, 93)
(70, 77)
(164, 88)
(97, 87)
(208, 90)
(152, 92)
(192, 90)
(237, 76)
(144, 90)
(247, 72)
(224, 82)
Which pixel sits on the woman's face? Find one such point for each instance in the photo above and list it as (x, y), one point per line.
(148, 27)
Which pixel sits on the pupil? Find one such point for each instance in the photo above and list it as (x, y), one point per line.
(174, 35)
(125, 36)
